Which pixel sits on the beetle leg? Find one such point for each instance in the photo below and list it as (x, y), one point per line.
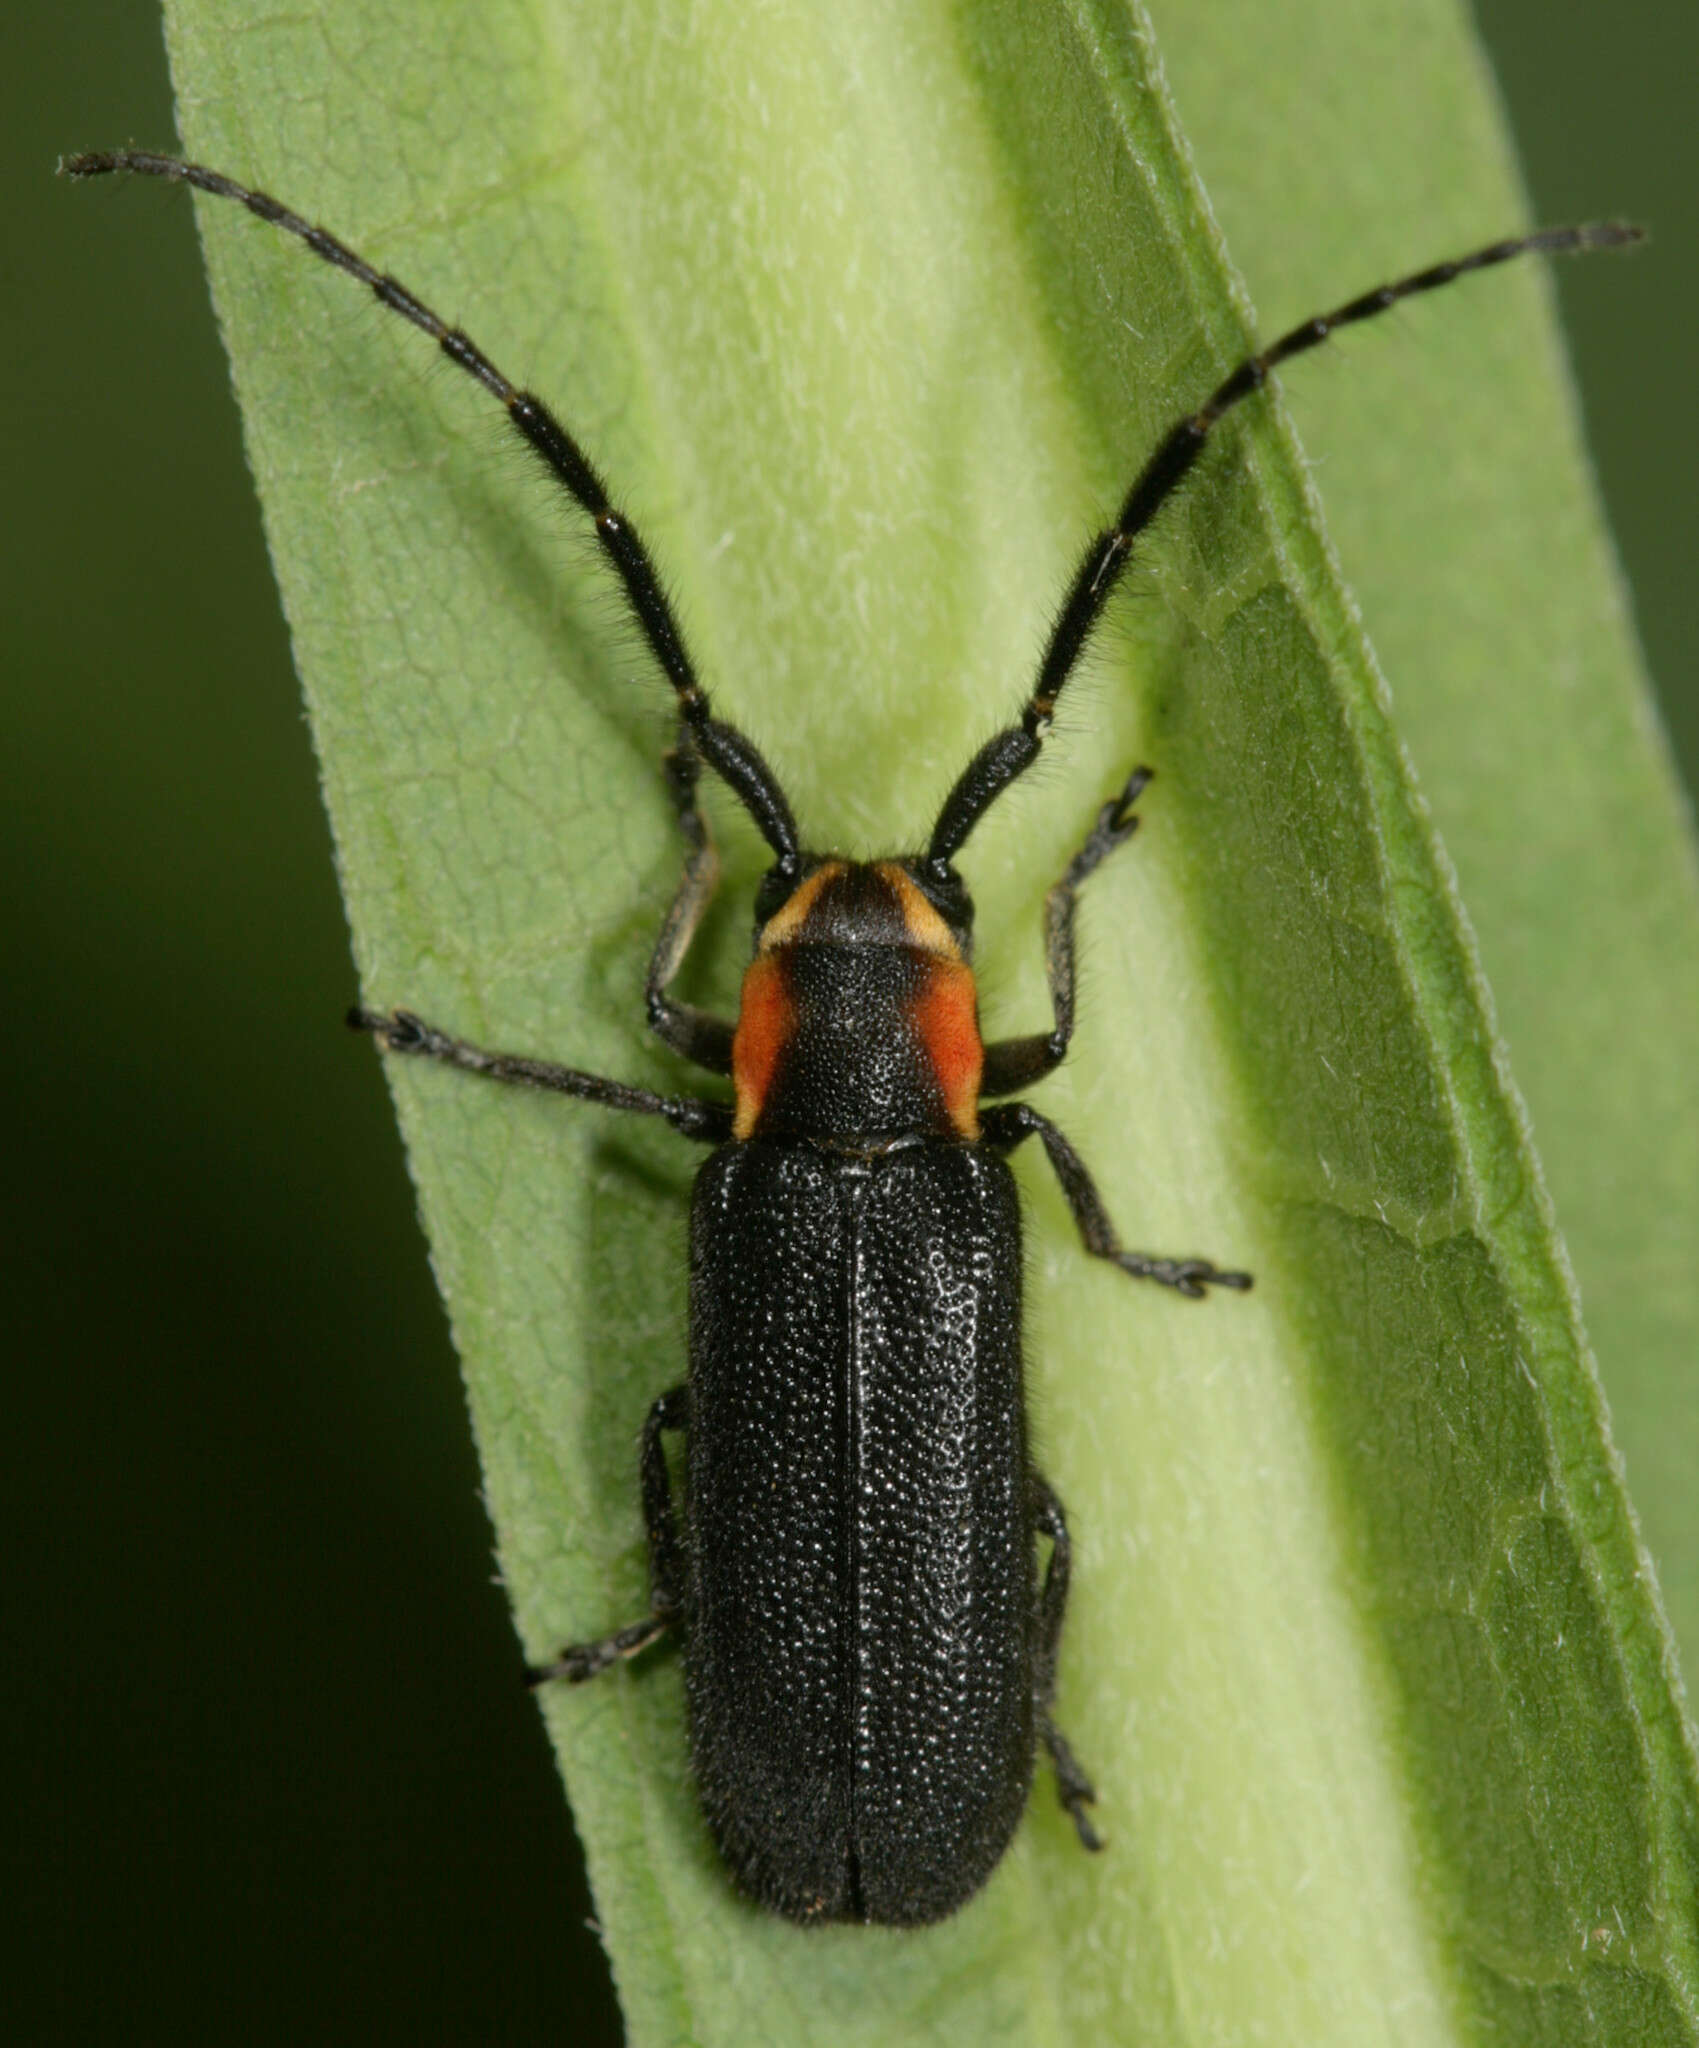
(697, 1035)
(1013, 1122)
(579, 1661)
(401, 1031)
(666, 1552)
(1012, 1063)
(1072, 1785)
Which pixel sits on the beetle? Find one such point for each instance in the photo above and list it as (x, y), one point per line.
(870, 1650)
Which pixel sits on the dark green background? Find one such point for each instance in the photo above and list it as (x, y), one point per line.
(273, 1775)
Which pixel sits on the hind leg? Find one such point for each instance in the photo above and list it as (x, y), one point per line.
(1073, 1787)
(579, 1661)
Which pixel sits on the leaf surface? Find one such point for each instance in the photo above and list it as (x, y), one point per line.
(870, 312)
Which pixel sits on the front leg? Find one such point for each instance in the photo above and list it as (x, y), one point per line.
(1013, 1123)
(1012, 1063)
(400, 1031)
(698, 1036)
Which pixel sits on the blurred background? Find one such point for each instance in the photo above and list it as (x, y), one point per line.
(274, 1775)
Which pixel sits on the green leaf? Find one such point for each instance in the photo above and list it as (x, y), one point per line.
(870, 311)
(1474, 549)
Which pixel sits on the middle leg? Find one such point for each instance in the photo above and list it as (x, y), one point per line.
(1012, 1123)
(400, 1031)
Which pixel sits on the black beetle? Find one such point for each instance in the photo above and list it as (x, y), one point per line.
(870, 1651)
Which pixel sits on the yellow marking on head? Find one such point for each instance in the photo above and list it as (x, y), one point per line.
(926, 929)
(787, 921)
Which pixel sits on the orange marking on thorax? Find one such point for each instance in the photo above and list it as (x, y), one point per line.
(766, 1018)
(946, 1020)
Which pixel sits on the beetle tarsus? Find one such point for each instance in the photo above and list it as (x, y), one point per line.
(1190, 1277)
(1073, 1787)
(581, 1661)
(1116, 823)
(395, 1030)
